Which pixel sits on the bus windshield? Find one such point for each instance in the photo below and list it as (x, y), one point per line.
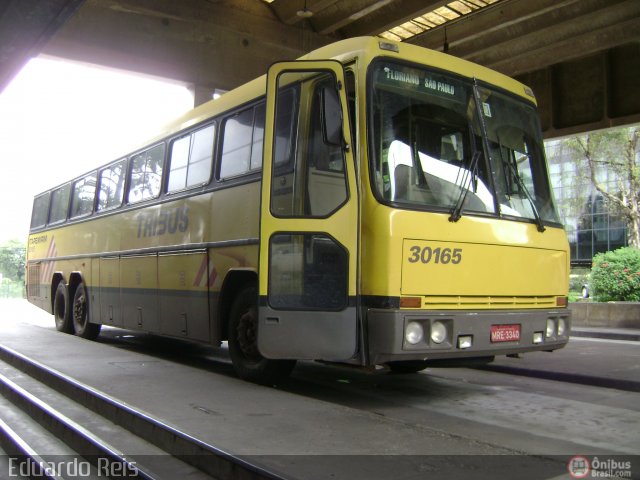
(440, 142)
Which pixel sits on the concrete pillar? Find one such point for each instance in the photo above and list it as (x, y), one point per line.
(201, 94)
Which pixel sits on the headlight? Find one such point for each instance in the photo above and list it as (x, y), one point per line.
(562, 327)
(413, 333)
(551, 327)
(438, 332)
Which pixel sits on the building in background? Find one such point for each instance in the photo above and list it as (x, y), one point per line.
(591, 226)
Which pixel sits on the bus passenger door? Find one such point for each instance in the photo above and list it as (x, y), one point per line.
(309, 216)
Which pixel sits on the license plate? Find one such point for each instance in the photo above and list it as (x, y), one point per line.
(505, 333)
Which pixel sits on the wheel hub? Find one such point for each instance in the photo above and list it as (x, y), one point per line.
(247, 336)
(79, 308)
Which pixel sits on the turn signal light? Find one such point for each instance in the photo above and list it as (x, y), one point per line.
(562, 301)
(410, 302)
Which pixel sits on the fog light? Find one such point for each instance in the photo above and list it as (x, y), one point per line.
(438, 332)
(413, 333)
(551, 327)
(562, 327)
(538, 337)
(465, 341)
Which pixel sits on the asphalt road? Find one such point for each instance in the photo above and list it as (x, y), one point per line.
(518, 418)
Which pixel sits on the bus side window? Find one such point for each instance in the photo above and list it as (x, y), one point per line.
(179, 163)
(242, 142)
(191, 159)
(285, 128)
(201, 156)
(350, 81)
(146, 174)
(283, 199)
(84, 193)
(40, 210)
(59, 204)
(111, 189)
(326, 176)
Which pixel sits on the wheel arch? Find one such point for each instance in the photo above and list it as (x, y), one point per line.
(55, 280)
(234, 281)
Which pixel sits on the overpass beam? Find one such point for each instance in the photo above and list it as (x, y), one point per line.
(201, 93)
(223, 43)
(590, 93)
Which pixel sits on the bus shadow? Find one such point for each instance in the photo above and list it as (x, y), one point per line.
(373, 389)
(191, 354)
(347, 386)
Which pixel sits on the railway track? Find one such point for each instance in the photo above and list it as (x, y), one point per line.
(62, 428)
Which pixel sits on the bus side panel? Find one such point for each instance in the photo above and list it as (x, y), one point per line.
(183, 278)
(139, 292)
(109, 291)
(94, 292)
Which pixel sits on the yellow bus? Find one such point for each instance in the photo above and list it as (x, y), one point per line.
(372, 203)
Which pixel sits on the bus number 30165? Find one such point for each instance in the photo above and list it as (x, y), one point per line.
(435, 255)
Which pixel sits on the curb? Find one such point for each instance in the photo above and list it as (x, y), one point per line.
(606, 334)
(590, 380)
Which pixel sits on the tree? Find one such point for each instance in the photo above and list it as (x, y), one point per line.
(614, 171)
(12, 260)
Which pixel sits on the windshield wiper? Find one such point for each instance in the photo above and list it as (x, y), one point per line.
(523, 187)
(456, 211)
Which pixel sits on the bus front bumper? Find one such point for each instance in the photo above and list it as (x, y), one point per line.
(399, 335)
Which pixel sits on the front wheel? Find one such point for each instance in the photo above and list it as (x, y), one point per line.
(248, 363)
(61, 310)
(81, 324)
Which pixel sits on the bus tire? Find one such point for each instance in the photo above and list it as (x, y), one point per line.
(407, 366)
(247, 361)
(80, 315)
(61, 310)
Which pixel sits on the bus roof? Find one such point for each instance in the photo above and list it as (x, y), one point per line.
(366, 48)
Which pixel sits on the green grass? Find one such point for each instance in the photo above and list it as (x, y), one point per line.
(11, 290)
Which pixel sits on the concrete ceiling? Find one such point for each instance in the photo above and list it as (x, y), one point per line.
(26, 26)
(222, 43)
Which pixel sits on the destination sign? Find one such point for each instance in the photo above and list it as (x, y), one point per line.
(423, 81)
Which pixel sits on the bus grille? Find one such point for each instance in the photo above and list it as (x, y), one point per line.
(455, 301)
(33, 283)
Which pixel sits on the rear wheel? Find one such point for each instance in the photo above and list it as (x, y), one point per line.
(81, 324)
(61, 310)
(243, 343)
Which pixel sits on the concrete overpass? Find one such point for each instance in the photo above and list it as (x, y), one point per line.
(582, 57)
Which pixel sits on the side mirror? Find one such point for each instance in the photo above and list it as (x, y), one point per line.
(331, 116)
